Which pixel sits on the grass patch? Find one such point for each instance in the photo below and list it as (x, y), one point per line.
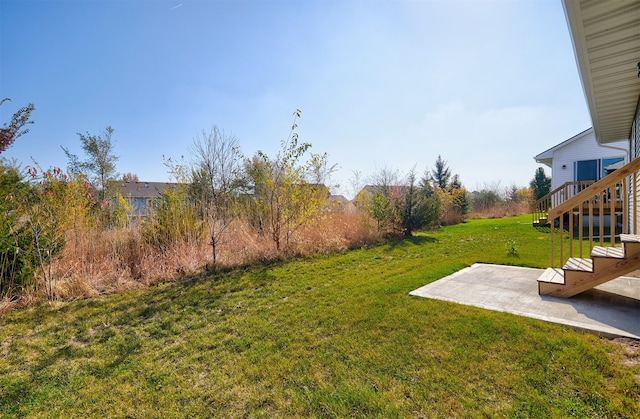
(331, 336)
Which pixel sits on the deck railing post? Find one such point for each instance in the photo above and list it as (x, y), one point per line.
(552, 225)
(634, 194)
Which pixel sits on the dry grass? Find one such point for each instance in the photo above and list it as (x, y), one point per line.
(507, 209)
(334, 233)
(99, 262)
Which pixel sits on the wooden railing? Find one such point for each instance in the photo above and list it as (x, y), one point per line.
(541, 207)
(582, 218)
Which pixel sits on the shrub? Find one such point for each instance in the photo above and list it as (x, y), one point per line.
(16, 262)
(174, 221)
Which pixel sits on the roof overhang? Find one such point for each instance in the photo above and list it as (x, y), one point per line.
(606, 42)
(546, 157)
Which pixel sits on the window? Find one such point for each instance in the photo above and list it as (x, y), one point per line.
(594, 169)
(586, 170)
(607, 163)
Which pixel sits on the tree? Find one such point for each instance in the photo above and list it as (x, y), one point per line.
(215, 182)
(410, 216)
(17, 263)
(540, 184)
(355, 183)
(130, 177)
(403, 207)
(383, 204)
(453, 196)
(421, 208)
(100, 163)
(430, 207)
(9, 133)
(319, 171)
(282, 200)
(460, 196)
(55, 205)
(513, 194)
(441, 173)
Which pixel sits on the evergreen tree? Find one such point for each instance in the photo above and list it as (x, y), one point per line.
(441, 174)
(540, 184)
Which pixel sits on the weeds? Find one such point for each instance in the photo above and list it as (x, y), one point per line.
(512, 247)
(114, 260)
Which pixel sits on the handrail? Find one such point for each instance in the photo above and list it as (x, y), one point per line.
(616, 176)
(541, 207)
(564, 186)
(613, 196)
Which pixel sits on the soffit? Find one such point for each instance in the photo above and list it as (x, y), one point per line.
(606, 41)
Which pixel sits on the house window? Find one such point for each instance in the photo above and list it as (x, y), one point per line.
(608, 165)
(586, 170)
(594, 169)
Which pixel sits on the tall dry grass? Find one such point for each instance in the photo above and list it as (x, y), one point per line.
(502, 209)
(96, 262)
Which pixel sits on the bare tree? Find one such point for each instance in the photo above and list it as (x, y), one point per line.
(355, 182)
(215, 181)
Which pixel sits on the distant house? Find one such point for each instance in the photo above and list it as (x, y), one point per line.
(368, 191)
(582, 158)
(339, 203)
(141, 195)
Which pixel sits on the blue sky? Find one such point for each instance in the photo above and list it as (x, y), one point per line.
(381, 84)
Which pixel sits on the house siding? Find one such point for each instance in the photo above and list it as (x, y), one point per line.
(584, 148)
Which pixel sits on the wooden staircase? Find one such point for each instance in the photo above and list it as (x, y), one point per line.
(576, 224)
(581, 274)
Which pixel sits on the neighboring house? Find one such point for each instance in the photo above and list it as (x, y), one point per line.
(582, 158)
(339, 203)
(141, 195)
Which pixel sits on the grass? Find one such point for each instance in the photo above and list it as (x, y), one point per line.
(330, 336)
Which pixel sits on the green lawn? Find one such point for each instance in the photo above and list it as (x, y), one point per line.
(332, 336)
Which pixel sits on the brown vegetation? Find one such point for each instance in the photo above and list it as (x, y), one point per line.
(115, 260)
(504, 209)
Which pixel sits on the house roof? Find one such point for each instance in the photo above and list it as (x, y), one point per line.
(546, 157)
(144, 189)
(338, 199)
(606, 43)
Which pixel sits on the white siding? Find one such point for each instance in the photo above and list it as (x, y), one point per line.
(583, 148)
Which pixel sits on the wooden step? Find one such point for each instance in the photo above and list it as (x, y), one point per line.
(581, 274)
(542, 222)
(579, 264)
(630, 238)
(551, 282)
(607, 252)
(553, 276)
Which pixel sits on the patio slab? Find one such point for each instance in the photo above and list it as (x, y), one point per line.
(611, 309)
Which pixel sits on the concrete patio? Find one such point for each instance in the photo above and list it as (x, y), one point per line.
(611, 309)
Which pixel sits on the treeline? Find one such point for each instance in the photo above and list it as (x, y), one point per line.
(71, 233)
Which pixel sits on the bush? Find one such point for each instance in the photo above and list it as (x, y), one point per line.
(17, 264)
(174, 221)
